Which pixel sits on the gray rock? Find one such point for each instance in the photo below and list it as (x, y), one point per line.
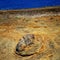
(27, 45)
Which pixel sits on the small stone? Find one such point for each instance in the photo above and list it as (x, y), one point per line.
(28, 45)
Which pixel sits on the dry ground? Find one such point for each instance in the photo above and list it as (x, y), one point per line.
(13, 28)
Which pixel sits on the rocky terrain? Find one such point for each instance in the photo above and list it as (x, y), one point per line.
(30, 34)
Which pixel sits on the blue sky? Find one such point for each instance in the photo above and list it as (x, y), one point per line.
(21, 4)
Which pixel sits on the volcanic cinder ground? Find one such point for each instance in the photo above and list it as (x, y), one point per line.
(44, 23)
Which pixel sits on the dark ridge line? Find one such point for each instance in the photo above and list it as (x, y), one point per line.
(31, 11)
